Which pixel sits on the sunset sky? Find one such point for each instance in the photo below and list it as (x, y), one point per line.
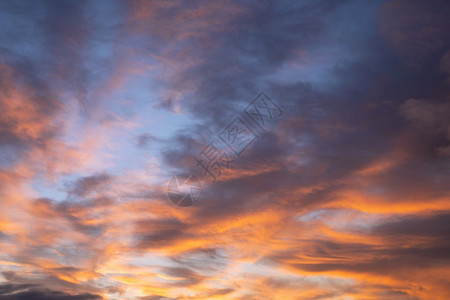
(344, 193)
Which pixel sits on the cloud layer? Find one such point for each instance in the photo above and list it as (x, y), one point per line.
(344, 196)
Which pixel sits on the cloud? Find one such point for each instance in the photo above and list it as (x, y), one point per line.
(431, 118)
(160, 232)
(32, 292)
(415, 29)
(344, 195)
(83, 186)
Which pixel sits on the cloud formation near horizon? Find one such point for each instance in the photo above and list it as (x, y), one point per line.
(347, 196)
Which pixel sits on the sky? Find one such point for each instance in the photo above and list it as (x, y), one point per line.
(315, 133)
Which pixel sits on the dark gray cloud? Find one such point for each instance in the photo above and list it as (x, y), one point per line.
(85, 185)
(159, 232)
(46, 286)
(188, 276)
(434, 226)
(147, 140)
(34, 292)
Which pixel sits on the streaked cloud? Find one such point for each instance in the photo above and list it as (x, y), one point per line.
(345, 197)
